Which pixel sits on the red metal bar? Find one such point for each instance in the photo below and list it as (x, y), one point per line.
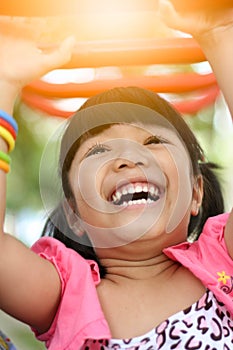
(104, 53)
(60, 7)
(44, 105)
(203, 99)
(38, 8)
(174, 83)
(200, 5)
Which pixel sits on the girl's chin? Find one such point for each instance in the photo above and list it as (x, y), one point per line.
(125, 231)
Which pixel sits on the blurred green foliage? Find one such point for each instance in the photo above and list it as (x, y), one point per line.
(23, 180)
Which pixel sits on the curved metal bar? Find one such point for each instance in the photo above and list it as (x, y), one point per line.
(46, 8)
(174, 83)
(104, 53)
(202, 99)
(198, 5)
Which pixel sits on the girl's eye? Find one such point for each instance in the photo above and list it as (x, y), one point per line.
(97, 149)
(155, 140)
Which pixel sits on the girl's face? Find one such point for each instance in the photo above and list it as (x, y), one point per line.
(132, 182)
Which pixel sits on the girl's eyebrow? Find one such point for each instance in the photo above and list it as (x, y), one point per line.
(158, 137)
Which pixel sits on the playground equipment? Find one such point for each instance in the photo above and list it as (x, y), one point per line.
(121, 34)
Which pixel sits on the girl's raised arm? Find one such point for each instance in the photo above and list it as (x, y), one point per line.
(214, 32)
(30, 285)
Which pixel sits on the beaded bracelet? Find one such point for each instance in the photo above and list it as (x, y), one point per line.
(4, 166)
(6, 135)
(8, 126)
(8, 118)
(5, 157)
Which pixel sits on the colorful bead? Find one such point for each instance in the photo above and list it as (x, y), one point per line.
(8, 126)
(7, 117)
(4, 166)
(5, 157)
(6, 135)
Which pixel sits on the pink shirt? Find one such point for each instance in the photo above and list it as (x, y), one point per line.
(80, 316)
(208, 259)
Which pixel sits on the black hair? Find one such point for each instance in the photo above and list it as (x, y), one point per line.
(213, 203)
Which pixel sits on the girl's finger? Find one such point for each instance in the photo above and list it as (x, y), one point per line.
(23, 27)
(172, 18)
(60, 55)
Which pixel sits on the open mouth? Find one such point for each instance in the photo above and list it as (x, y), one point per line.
(135, 194)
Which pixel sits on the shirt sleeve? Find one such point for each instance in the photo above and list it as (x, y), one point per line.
(208, 259)
(79, 315)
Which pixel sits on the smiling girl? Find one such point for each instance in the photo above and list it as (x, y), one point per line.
(118, 271)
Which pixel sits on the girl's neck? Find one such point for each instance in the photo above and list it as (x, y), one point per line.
(140, 260)
(156, 267)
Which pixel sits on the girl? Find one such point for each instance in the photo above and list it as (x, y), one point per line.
(135, 185)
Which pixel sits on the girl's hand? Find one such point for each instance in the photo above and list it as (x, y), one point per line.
(202, 25)
(21, 58)
(214, 32)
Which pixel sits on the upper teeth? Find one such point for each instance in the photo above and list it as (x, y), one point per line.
(135, 188)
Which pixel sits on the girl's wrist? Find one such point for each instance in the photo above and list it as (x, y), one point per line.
(3, 145)
(217, 44)
(215, 37)
(8, 96)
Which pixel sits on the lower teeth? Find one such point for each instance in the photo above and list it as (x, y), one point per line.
(138, 201)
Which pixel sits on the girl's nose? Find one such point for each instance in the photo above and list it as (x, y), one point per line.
(121, 163)
(130, 154)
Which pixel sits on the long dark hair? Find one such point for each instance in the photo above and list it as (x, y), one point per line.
(213, 203)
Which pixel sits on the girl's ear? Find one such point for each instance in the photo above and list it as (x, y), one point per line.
(197, 195)
(72, 218)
